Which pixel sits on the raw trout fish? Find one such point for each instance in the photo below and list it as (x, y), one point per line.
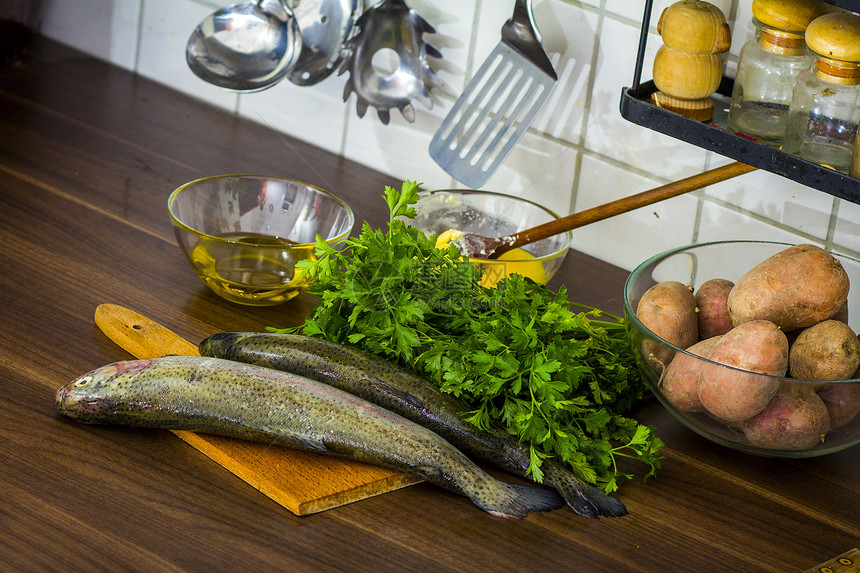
(238, 400)
(386, 384)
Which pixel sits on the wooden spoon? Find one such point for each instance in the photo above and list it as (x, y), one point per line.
(481, 247)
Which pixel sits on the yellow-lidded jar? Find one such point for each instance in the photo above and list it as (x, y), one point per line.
(825, 108)
(835, 36)
(788, 15)
(768, 66)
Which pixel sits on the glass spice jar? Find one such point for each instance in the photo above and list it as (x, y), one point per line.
(825, 106)
(768, 66)
(854, 170)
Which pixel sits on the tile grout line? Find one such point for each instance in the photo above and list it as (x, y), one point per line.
(586, 109)
(139, 39)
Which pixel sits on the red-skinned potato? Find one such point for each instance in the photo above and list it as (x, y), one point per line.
(795, 419)
(842, 401)
(680, 382)
(712, 302)
(828, 350)
(756, 347)
(795, 288)
(668, 309)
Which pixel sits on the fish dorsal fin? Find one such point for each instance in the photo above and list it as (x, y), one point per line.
(398, 393)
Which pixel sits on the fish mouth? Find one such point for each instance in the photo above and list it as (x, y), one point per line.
(60, 399)
(76, 406)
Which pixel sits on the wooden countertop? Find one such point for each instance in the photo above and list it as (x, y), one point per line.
(88, 156)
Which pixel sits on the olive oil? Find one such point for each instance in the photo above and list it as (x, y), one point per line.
(251, 268)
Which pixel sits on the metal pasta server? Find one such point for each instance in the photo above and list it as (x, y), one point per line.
(390, 25)
(498, 105)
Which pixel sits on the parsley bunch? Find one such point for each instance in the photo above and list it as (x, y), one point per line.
(519, 354)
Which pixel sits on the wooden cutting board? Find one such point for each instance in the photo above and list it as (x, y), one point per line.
(302, 482)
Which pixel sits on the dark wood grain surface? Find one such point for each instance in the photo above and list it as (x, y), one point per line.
(88, 156)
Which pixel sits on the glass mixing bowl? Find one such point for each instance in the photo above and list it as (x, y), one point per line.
(244, 234)
(495, 215)
(729, 260)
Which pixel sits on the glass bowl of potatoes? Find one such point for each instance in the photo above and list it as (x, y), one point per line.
(750, 343)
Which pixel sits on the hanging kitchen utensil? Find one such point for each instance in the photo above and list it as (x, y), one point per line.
(390, 25)
(498, 104)
(325, 25)
(247, 47)
(481, 247)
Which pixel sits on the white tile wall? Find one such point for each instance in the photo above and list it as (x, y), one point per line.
(627, 240)
(108, 29)
(579, 152)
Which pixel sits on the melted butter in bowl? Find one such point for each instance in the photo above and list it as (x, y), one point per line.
(517, 261)
(450, 213)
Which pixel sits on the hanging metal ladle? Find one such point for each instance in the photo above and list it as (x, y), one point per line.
(248, 46)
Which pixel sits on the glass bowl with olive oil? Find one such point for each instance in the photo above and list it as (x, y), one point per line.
(244, 234)
(494, 214)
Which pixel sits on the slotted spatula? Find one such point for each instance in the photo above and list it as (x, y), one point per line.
(498, 104)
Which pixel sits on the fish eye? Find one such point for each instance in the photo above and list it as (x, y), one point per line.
(83, 382)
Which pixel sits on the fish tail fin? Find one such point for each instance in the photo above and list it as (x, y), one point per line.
(517, 501)
(583, 498)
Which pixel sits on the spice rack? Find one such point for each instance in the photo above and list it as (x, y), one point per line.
(715, 135)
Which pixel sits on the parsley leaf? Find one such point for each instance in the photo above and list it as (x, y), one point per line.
(556, 374)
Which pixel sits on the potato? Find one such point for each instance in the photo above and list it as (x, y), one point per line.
(713, 308)
(668, 309)
(680, 382)
(828, 350)
(793, 420)
(757, 346)
(795, 288)
(842, 401)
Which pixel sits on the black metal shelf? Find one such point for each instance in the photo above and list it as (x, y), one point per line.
(715, 136)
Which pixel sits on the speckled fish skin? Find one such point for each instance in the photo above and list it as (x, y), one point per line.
(385, 384)
(234, 399)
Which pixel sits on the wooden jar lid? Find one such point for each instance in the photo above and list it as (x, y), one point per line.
(788, 15)
(694, 27)
(835, 36)
(782, 42)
